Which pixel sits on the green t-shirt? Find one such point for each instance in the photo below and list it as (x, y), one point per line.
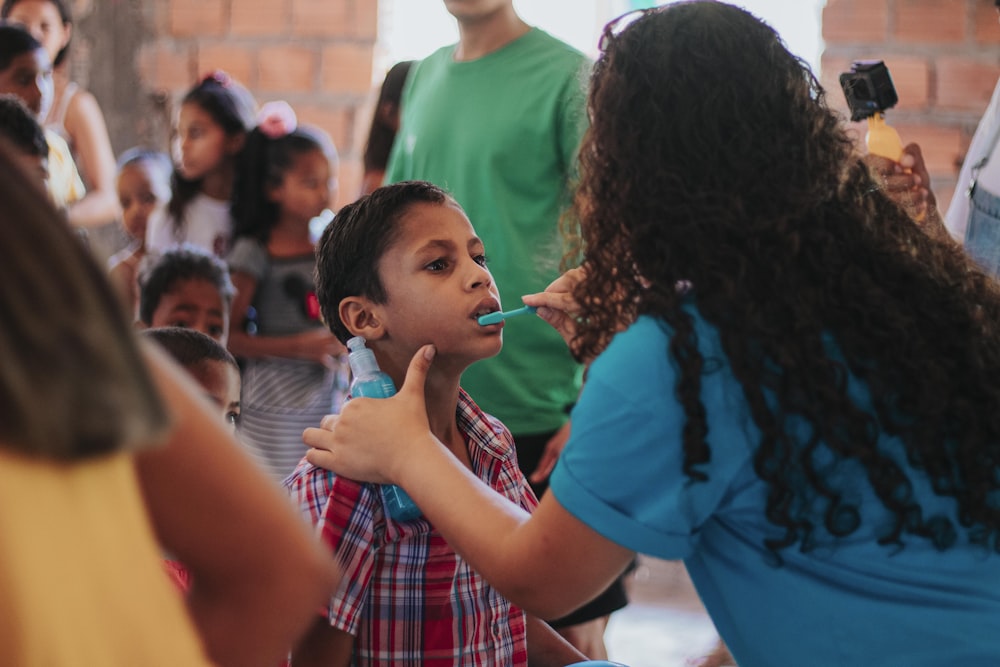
(500, 133)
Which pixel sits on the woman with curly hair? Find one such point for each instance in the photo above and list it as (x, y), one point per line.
(793, 387)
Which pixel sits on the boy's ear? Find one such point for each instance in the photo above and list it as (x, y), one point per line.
(359, 317)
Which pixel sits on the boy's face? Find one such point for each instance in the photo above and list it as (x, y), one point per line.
(437, 284)
(222, 387)
(193, 304)
(138, 195)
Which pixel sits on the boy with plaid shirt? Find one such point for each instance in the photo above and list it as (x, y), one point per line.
(403, 267)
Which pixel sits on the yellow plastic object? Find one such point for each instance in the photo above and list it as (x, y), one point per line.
(883, 139)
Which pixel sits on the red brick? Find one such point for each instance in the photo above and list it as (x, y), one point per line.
(964, 84)
(338, 122)
(197, 17)
(166, 66)
(259, 18)
(365, 19)
(940, 145)
(911, 77)
(347, 68)
(240, 63)
(286, 69)
(323, 17)
(349, 177)
(930, 21)
(987, 27)
(855, 21)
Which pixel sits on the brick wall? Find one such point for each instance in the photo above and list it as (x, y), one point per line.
(944, 57)
(315, 54)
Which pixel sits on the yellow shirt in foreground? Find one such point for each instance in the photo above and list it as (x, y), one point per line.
(81, 579)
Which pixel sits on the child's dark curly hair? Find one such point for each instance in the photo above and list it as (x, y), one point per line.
(713, 160)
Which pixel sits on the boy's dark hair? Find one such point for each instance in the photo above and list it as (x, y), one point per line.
(18, 125)
(158, 274)
(15, 40)
(189, 347)
(262, 166)
(65, 15)
(349, 251)
(231, 106)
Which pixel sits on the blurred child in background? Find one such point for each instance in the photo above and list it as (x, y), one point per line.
(25, 71)
(208, 362)
(212, 125)
(143, 187)
(212, 367)
(73, 114)
(293, 374)
(186, 287)
(385, 124)
(19, 127)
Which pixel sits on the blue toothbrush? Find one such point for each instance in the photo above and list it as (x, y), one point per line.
(497, 317)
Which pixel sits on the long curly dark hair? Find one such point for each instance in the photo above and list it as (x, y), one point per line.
(713, 161)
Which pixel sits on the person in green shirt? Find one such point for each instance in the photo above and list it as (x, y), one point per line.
(496, 120)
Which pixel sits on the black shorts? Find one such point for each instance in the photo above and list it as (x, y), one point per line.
(529, 453)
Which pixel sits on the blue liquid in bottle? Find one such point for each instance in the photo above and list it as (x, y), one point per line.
(370, 382)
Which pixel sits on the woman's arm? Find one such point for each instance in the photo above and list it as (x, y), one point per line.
(258, 575)
(89, 137)
(317, 345)
(548, 563)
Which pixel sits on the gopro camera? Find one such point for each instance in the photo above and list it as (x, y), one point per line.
(868, 89)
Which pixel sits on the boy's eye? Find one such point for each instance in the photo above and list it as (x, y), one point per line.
(437, 265)
(233, 418)
(215, 331)
(481, 260)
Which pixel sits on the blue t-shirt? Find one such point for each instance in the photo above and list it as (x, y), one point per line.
(844, 602)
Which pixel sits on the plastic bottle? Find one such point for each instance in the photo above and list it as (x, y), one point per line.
(370, 382)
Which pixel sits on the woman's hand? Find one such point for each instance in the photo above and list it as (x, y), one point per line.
(556, 304)
(905, 182)
(371, 440)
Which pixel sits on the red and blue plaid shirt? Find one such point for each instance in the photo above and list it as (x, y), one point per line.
(405, 595)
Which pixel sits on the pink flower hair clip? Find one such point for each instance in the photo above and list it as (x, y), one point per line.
(276, 120)
(220, 77)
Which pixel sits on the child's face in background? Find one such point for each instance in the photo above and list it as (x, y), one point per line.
(437, 284)
(29, 77)
(203, 147)
(139, 193)
(193, 304)
(306, 188)
(41, 18)
(222, 387)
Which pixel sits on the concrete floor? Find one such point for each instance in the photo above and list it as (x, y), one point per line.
(664, 624)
